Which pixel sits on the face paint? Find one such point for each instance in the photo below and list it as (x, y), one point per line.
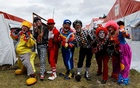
(66, 29)
(101, 34)
(25, 29)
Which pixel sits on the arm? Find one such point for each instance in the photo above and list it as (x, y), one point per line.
(126, 34)
(71, 41)
(31, 41)
(13, 35)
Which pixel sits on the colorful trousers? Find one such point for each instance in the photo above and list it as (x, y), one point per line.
(125, 62)
(67, 54)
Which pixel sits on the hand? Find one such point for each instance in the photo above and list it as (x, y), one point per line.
(70, 45)
(13, 34)
(66, 45)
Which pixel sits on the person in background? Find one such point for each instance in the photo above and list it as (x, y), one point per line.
(53, 46)
(83, 39)
(125, 55)
(66, 38)
(41, 35)
(24, 52)
(113, 48)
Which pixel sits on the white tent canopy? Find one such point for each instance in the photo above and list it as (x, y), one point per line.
(7, 53)
(7, 49)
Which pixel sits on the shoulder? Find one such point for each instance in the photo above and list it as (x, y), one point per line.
(55, 29)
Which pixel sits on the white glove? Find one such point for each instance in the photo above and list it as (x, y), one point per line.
(51, 35)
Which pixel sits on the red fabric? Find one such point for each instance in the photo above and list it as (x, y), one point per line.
(53, 56)
(12, 17)
(12, 34)
(70, 45)
(115, 66)
(99, 63)
(126, 7)
(50, 21)
(53, 48)
(105, 67)
(63, 43)
(103, 59)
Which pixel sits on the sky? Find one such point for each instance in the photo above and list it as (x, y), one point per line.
(59, 10)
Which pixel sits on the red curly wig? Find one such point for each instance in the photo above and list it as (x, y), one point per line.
(101, 29)
(112, 24)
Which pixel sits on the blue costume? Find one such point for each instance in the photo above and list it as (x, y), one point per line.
(67, 38)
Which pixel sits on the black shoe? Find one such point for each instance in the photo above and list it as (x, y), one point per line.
(87, 77)
(103, 81)
(78, 78)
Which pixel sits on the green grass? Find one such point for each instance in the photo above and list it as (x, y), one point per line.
(9, 80)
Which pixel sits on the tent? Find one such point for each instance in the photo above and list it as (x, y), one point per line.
(128, 11)
(7, 50)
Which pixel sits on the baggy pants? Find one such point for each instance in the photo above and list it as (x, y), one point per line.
(27, 61)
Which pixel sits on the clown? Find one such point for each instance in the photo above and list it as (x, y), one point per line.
(66, 38)
(83, 39)
(24, 52)
(113, 47)
(100, 50)
(126, 55)
(53, 46)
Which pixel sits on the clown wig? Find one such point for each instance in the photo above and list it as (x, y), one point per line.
(113, 24)
(101, 29)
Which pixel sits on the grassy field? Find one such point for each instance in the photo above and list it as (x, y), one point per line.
(9, 80)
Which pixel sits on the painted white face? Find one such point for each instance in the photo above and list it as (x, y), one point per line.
(66, 29)
(101, 34)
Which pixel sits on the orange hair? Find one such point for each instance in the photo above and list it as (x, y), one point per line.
(101, 29)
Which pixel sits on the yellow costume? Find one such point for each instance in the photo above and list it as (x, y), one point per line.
(24, 52)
